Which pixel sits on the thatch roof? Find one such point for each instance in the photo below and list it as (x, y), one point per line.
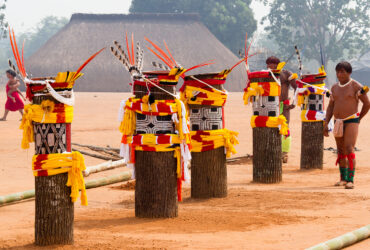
(189, 40)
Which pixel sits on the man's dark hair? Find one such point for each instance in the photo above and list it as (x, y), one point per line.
(273, 60)
(11, 72)
(344, 65)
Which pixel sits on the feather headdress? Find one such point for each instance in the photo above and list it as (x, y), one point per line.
(133, 62)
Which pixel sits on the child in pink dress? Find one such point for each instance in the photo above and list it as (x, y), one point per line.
(14, 101)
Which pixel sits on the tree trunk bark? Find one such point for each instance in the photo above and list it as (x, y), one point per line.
(156, 179)
(267, 155)
(156, 185)
(209, 174)
(54, 209)
(208, 169)
(312, 145)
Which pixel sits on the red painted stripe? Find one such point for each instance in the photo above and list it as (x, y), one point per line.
(311, 115)
(207, 102)
(136, 140)
(261, 121)
(42, 173)
(68, 137)
(163, 139)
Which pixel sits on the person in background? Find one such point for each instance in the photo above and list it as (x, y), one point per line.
(14, 101)
(287, 80)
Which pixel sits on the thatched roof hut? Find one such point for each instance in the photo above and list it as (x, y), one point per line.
(189, 40)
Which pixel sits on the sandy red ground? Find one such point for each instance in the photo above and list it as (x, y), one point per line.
(299, 212)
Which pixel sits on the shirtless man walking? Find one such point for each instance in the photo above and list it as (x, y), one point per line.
(343, 104)
(287, 80)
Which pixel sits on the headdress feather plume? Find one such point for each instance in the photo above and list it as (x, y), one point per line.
(169, 59)
(131, 64)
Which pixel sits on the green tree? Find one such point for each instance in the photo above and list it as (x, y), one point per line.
(227, 20)
(3, 23)
(340, 26)
(44, 30)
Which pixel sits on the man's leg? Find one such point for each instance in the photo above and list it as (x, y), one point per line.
(350, 138)
(286, 140)
(342, 161)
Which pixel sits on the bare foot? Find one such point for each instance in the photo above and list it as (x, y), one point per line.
(285, 157)
(350, 185)
(2, 119)
(340, 183)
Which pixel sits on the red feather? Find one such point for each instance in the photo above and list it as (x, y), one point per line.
(159, 57)
(169, 53)
(245, 44)
(88, 60)
(200, 65)
(23, 56)
(132, 49)
(19, 58)
(14, 53)
(161, 52)
(128, 50)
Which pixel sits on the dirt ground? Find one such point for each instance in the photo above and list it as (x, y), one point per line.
(303, 210)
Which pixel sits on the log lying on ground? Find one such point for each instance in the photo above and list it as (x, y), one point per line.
(124, 176)
(97, 148)
(112, 158)
(103, 167)
(344, 240)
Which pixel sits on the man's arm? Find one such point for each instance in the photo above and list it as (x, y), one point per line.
(292, 83)
(365, 105)
(329, 115)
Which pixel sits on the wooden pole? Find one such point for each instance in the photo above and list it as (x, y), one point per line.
(267, 165)
(208, 169)
(312, 142)
(156, 180)
(267, 151)
(312, 147)
(54, 212)
(209, 174)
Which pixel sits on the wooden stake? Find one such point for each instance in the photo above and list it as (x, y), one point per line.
(312, 146)
(267, 165)
(156, 180)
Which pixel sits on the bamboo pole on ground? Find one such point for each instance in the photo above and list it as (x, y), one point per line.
(344, 240)
(104, 181)
(103, 167)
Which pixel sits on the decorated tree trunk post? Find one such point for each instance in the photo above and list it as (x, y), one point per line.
(52, 195)
(263, 91)
(155, 138)
(156, 178)
(211, 142)
(311, 98)
(57, 170)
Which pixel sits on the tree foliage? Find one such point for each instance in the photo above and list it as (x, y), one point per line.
(341, 27)
(3, 23)
(44, 30)
(227, 20)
